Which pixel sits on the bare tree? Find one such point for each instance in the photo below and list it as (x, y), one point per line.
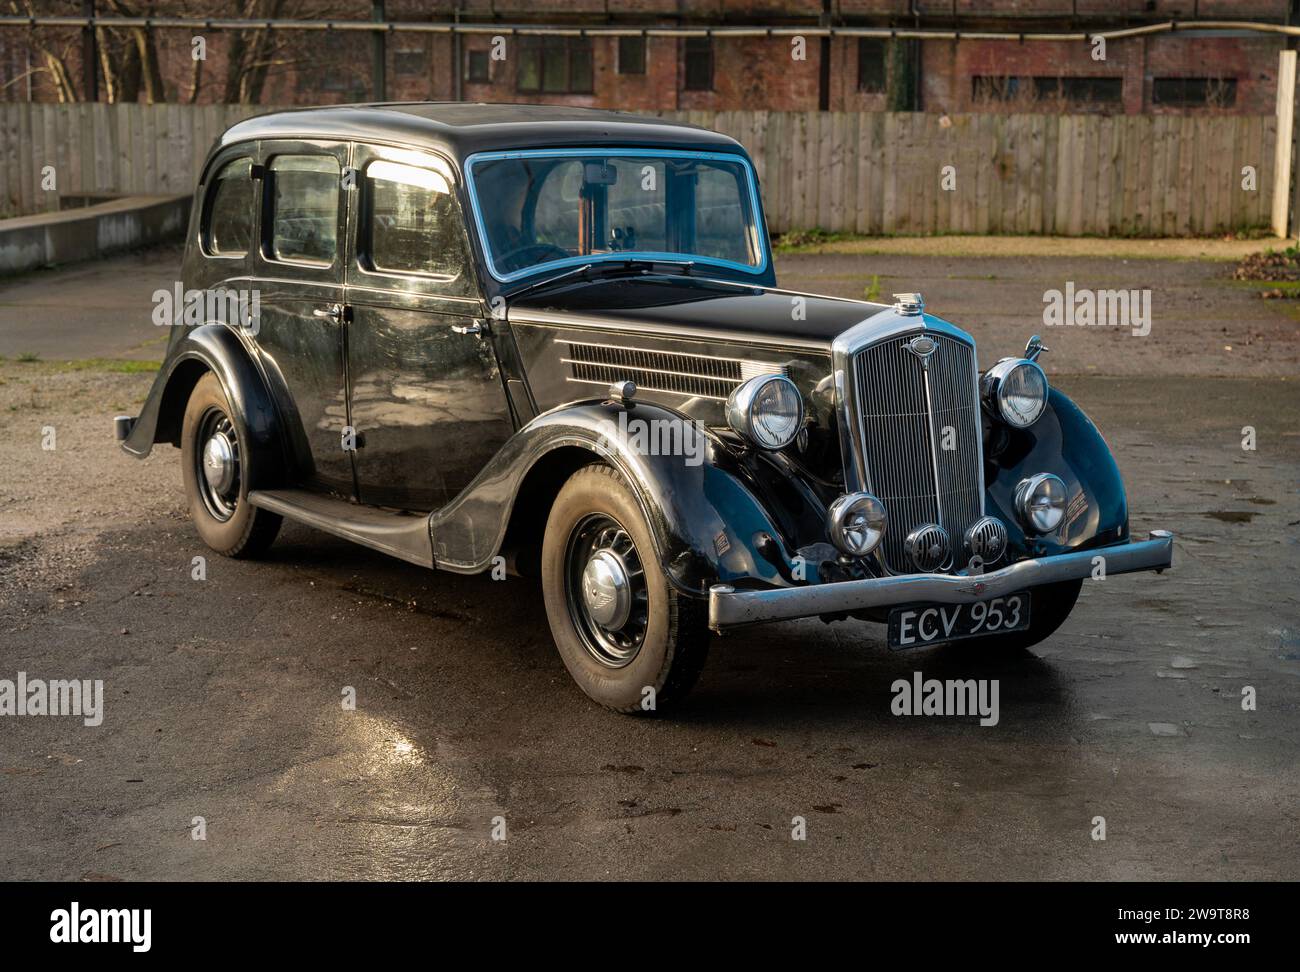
(54, 59)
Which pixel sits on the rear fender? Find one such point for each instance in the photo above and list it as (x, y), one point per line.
(215, 348)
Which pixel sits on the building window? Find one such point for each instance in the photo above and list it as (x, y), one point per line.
(985, 88)
(555, 65)
(408, 62)
(699, 64)
(1084, 91)
(1194, 92)
(339, 49)
(631, 55)
(1077, 92)
(476, 67)
(871, 64)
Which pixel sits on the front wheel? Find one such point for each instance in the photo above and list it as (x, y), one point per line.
(630, 641)
(1050, 604)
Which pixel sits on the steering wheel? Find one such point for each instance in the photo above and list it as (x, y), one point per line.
(531, 253)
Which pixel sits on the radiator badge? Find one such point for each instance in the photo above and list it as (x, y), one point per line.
(922, 346)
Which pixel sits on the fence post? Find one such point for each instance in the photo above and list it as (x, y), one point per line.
(1285, 136)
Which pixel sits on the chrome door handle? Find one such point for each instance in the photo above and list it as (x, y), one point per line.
(467, 328)
(333, 312)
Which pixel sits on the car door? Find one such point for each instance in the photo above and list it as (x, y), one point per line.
(300, 336)
(426, 395)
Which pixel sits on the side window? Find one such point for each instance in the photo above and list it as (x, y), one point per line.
(228, 229)
(414, 224)
(304, 213)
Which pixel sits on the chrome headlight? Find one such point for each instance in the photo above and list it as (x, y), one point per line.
(856, 522)
(1015, 389)
(1040, 502)
(767, 410)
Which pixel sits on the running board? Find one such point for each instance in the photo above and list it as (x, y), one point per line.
(402, 535)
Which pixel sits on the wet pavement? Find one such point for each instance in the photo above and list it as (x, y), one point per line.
(223, 695)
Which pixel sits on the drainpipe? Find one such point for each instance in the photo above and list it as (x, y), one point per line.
(916, 62)
(824, 66)
(89, 54)
(457, 55)
(379, 53)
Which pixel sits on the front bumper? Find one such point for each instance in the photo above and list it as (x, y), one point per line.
(729, 608)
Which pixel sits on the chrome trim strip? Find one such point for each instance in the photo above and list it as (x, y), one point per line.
(662, 391)
(624, 347)
(653, 371)
(934, 443)
(729, 608)
(702, 335)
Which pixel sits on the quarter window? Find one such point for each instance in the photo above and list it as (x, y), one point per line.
(230, 210)
(414, 221)
(304, 208)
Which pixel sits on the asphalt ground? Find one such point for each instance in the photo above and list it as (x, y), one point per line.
(222, 695)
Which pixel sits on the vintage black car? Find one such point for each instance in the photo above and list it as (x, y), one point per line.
(549, 341)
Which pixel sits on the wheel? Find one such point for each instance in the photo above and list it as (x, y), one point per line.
(1050, 605)
(215, 468)
(619, 625)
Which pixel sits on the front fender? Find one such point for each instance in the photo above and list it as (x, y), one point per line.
(1063, 441)
(705, 518)
(215, 348)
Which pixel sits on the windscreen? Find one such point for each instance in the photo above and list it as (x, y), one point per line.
(538, 210)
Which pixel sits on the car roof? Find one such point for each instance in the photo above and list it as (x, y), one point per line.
(459, 129)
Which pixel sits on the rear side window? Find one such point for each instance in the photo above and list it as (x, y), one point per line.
(414, 221)
(230, 210)
(304, 208)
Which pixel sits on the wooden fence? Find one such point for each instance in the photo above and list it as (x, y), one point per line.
(873, 173)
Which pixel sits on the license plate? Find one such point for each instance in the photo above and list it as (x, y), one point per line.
(931, 624)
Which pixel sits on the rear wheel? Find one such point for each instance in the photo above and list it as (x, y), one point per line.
(620, 627)
(216, 469)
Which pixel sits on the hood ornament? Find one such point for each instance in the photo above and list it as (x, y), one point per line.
(909, 305)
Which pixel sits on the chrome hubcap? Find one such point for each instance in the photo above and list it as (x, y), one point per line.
(217, 464)
(607, 595)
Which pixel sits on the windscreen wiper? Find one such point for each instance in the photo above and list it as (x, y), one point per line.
(546, 281)
(631, 263)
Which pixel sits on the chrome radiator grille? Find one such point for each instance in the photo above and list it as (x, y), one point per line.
(906, 425)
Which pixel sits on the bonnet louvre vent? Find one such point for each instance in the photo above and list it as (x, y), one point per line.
(693, 375)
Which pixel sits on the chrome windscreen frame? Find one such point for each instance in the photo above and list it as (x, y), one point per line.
(880, 327)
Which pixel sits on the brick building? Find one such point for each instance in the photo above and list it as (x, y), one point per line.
(1224, 70)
